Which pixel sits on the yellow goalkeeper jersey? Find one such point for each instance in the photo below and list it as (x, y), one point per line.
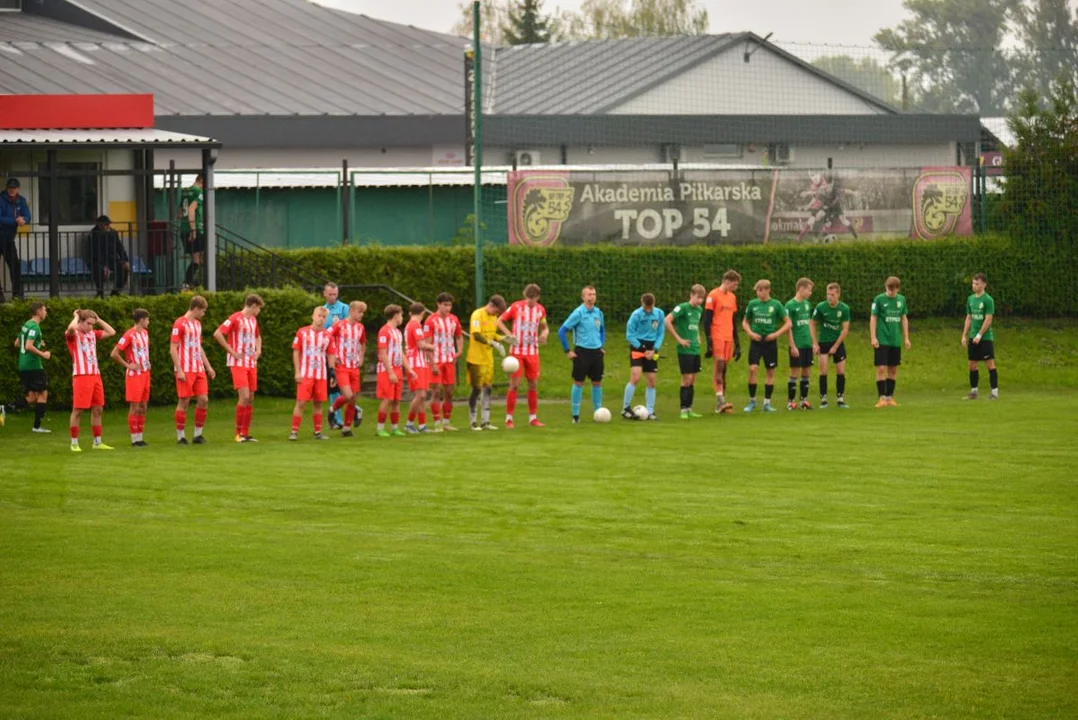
(485, 324)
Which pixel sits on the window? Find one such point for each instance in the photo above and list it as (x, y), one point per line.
(716, 151)
(78, 194)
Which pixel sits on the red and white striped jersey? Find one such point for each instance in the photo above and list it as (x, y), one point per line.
(443, 332)
(83, 349)
(391, 341)
(136, 346)
(346, 343)
(413, 335)
(187, 333)
(312, 343)
(527, 322)
(241, 332)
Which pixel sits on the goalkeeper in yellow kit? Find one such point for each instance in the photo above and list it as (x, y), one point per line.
(487, 332)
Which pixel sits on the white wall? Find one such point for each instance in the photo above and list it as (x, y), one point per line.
(767, 84)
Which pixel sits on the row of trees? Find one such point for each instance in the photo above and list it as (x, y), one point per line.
(963, 56)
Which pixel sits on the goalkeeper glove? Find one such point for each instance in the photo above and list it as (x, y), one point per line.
(737, 351)
(499, 347)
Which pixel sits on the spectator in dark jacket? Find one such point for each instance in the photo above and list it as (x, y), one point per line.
(108, 257)
(14, 213)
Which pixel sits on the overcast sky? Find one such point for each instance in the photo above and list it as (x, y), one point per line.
(828, 22)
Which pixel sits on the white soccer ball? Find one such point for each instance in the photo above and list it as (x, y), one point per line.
(641, 412)
(602, 415)
(510, 365)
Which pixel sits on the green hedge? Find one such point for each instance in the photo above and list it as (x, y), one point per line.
(1024, 280)
(285, 311)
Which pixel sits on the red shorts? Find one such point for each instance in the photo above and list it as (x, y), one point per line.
(422, 381)
(137, 388)
(529, 367)
(195, 386)
(311, 389)
(724, 349)
(87, 392)
(348, 378)
(388, 390)
(447, 374)
(244, 377)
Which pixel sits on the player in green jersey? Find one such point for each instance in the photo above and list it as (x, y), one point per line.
(802, 338)
(889, 328)
(831, 325)
(30, 344)
(683, 324)
(980, 311)
(192, 229)
(762, 323)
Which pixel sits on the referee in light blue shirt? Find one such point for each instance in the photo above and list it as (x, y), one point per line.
(589, 335)
(337, 311)
(644, 331)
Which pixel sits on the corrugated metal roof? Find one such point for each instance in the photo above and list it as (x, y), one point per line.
(24, 27)
(137, 136)
(330, 177)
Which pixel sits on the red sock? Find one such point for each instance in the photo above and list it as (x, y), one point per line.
(436, 410)
(533, 402)
(132, 423)
(447, 409)
(241, 412)
(247, 420)
(349, 415)
(381, 418)
(339, 403)
(395, 418)
(318, 422)
(74, 432)
(200, 417)
(422, 418)
(411, 416)
(96, 429)
(181, 420)
(296, 420)
(141, 423)
(510, 402)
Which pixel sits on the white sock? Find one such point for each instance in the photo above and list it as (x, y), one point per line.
(97, 440)
(198, 431)
(179, 435)
(74, 442)
(532, 417)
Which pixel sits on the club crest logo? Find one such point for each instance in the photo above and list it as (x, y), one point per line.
(541, 203)
(939, 200)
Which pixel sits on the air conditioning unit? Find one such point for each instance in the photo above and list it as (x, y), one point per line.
(671, 153)
(780, 153)
(527, 157)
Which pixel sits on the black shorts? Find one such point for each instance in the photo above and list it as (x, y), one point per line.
(840, 353)
(765, 350)
(889, 355)
(588, 365)
(34, 381)
(649, 366)
(689, 364)
(803, 359)
(980, 351)
(197, 245)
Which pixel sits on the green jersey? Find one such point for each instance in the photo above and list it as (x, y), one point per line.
(30, 333)
(977, 308)
(765, 317)
(889, 312)
(829, 320)
(800, 313)
(687, 324)
(190, 195)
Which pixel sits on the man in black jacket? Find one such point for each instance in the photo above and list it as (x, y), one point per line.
(108, 257)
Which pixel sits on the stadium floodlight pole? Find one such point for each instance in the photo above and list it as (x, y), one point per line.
(477, 154)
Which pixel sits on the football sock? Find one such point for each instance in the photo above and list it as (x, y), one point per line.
(39, 413)
(752, 391)
(436, 410)
(317, 422)
(684, 398)
(350, 414)
(241, 411)
(487, 392)
(96, 430)
(840, 384)
(510, 402)
(576, 395)
(630, 391)
(823, 386)
(881, 388)
(447, 409)
(473, 403)
(200, 420)
(411, 416)
(247, 420)
(768, 391)
(974, 379)
(993, 379)
(692, 395)
(804, 388)
(296, 420)
(533, 403)
(395, 419)
(75, 435)
(791, 390)
(890, 387)
(181, 421)
(596, 396)
(649, 399)
(422, 419)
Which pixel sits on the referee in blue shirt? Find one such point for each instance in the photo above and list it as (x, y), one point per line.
(644, 331)
(337, 311)
(589, 335)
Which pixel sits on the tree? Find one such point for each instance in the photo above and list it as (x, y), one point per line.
(527, 25)
(613, 19)
(865, 74)
(952, 50)
(1048, 31)
(1042, 166)
(493, 19)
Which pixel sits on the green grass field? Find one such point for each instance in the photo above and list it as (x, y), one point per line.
(919, 561)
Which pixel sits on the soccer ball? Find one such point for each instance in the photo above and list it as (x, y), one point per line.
(641, 412)
(602, 415)
(510, 365)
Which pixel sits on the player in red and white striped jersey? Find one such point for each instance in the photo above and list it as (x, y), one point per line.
(347, 348)
(241, 338)
(310, 363)
(133, 353)
(419, 348)
(393, 365)
(88, 392)
(531, 330)
(192, 369)
(445, 333)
